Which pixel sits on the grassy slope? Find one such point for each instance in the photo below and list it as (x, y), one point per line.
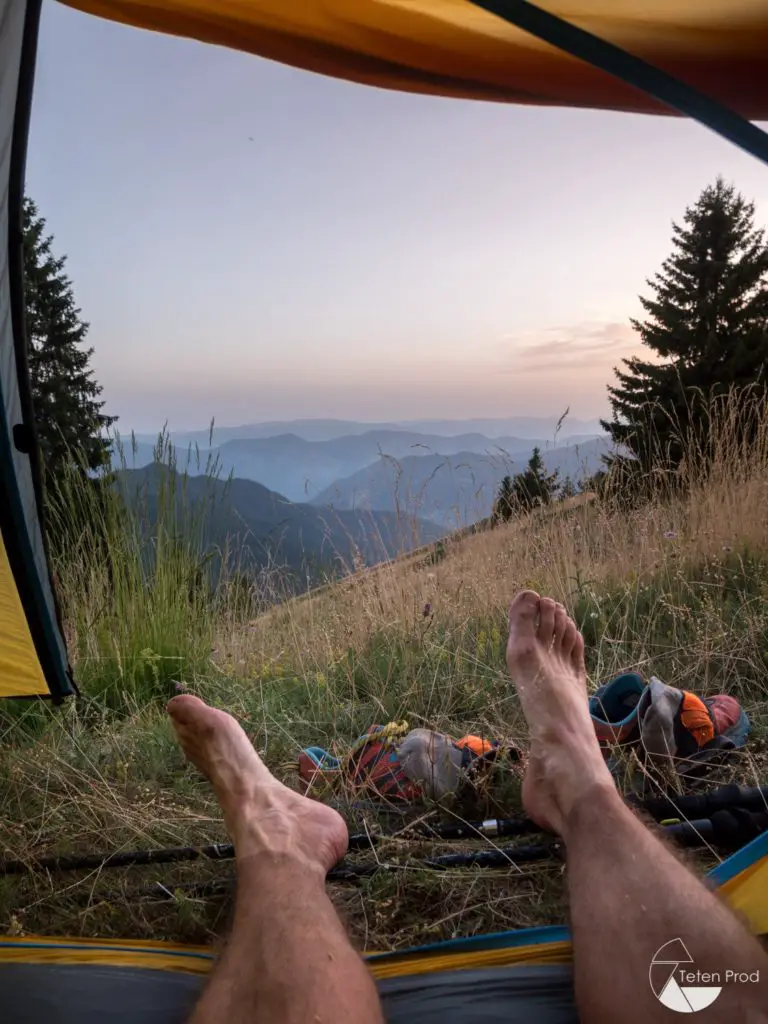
(678, 588)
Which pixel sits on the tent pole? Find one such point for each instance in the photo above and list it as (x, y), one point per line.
(644, 76)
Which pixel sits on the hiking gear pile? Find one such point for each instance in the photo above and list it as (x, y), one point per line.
(669, 728)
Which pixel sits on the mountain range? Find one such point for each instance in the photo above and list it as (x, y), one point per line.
(527, 427)
(301, 510)
(451, 491)
(304, 470)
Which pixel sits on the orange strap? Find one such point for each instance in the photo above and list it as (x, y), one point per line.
(476, 744)
(696, 718)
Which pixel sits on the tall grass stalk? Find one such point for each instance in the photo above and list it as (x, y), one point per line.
(133, 572)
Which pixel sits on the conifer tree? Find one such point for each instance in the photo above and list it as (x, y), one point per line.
(567, 489)
(534, 486)
(68, 411)
(504, 506)
(707, 324)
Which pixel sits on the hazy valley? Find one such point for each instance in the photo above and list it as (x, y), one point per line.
(449, 478)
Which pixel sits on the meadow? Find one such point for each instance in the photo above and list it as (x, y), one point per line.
(675, 586)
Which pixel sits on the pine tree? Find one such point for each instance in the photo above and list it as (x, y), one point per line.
(69, 420)
(534, 486)
(567, 489)
(707, 320)
(504, 506)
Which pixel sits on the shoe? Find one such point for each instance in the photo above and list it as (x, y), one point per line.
(613, 708)
(688, 730)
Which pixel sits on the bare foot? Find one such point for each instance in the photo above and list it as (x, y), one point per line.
(545, 658)
(261, 814)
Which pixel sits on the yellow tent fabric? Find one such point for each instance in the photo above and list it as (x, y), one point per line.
(20, 671)
(170, 956)
(454, 48)
(747, 893)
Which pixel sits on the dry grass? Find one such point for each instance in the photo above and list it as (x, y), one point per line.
(677, 587)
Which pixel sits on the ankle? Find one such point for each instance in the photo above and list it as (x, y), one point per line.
(293, 869)
(597, 803)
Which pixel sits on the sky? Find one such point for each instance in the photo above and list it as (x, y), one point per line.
(252, 242)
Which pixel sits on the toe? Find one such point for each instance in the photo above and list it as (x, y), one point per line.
(522, 644)
(523, 612)
(561, 623)
(184, 708)
(569, 637)
(577, 654)
(546, 630)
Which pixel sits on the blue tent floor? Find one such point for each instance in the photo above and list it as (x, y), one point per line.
(93, 994)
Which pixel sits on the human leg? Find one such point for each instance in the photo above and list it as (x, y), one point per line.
(629, 894)
(288, 958)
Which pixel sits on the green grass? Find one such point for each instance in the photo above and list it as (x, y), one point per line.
(677, 588)
(100, 778)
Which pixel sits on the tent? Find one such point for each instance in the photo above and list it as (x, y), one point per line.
(708, 61)
(512, 977)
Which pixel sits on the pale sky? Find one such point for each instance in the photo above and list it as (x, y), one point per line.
(252, 242)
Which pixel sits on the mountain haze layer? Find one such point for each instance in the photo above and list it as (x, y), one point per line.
(453, 491)
(527, 427)
(302, 470)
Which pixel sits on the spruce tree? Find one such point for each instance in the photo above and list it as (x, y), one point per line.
(504, 506)
(534, 486)
(707, 320)
(567, 489)
(68, 416)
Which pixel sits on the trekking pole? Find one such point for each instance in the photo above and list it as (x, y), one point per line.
(732, 828)
(128, 858)
(721, 807)
(226, 851)
(344, 872)
(704, 805)
(696, 807)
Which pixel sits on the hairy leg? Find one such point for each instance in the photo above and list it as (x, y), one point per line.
(629, 894)
(288, 958)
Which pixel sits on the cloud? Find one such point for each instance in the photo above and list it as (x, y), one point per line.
(575, 346)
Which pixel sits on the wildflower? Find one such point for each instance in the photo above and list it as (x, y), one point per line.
(179, 687)
(727, 549)
(670, 535)
(427, 611)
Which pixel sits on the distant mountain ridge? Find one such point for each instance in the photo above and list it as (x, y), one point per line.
(450, 491)
(302, 470)
(526, 427)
